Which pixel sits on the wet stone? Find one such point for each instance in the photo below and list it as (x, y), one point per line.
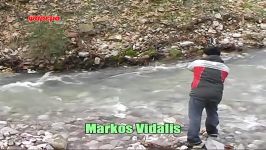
(25, 135)
(115, 142)
(92, 144)
(58, 126)
(10, 143)
(57, 141)
(126, 138)
(34, 148)
(73, 139)
(14, 148)
(41, 132)
(8, 131)
(2, 136)
(107, 146)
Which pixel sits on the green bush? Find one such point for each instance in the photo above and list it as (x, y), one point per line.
(175, 53)
(47, 40)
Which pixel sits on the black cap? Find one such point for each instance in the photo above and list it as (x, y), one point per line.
(212, 51)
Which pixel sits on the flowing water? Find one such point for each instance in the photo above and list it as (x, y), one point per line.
(139, 94)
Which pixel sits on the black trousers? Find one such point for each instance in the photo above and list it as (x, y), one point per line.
(196, 107)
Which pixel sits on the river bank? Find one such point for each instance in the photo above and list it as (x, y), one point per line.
(110, 34)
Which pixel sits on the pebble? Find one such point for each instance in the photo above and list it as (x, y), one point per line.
(72, 139)
(263, 26)
(2, 136)
(41, 132)
(34, 148)
(252, 146)
(83, 54)
(183, 147)
(8, 131)
(218, 16)
(25, 135)
(170, 120)
(237, 35)
(57, 141)
(126, 138)
(107, 146)
(92, 144)
(240, 147)
(58, 126)
(186, 43)
(10, 143)
(97, 60)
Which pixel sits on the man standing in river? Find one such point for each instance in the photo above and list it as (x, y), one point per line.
(207, 87)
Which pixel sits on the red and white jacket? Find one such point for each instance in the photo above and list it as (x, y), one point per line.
(209, 76)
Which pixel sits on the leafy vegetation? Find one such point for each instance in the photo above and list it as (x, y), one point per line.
(47, 40)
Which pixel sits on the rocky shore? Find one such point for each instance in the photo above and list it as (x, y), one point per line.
(109, 34)
(69, 135)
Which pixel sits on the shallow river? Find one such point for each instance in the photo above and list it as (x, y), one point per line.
(139, 94)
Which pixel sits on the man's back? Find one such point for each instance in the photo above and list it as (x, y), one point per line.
(209, 76)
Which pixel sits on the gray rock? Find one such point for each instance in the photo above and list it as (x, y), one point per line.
(237, 35)
(26, 143)
(264, 41)
(126, 138)
(83, 54)
(34, 148)
(213, 145)
(33, 140)
(107, 146)
(215, 23)
(225, 41)
(211, 30)
(22, 126)
(57, 141)
(115, 142)
(2, 136)
(72, 139)
(116, 38)
(240, 147)
(49, 147)
(263, 26)
(92, 144)
(8, 131)
(2, 145)
(114, 53)
(14, 148)
(220, 27)
(25, 135)
(170, 120)
(218, 16)
(41, 132)
(136, 146)
(42, 146)
(97, 60)
(183, 147)
(186, 43)
(58, 125)
(10, 142)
